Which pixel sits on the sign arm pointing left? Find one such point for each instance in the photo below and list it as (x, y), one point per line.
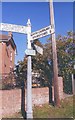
(13, 28)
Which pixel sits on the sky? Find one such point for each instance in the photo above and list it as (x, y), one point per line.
(38, 12)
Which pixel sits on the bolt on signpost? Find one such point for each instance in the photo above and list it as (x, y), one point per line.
(55, 66)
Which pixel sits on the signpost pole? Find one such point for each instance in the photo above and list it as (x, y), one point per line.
(29, 75)
(55, 65)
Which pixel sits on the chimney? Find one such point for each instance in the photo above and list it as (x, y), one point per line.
(10, 35)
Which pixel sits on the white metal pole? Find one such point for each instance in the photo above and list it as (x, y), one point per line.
(73, 83)
(29, 75)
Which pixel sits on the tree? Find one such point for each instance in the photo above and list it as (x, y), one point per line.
(65, 50)
(21, 72)
(43, 64)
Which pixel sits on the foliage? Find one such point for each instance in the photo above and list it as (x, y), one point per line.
(65, 50)
(43, 64)
(21, 73)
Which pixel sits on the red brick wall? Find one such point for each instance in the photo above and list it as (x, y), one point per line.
(60, 82)
(5, 62)
(11, 99)
(0, 104)
(40, 96)
(5, 59)
(60, 79)
(0, 58)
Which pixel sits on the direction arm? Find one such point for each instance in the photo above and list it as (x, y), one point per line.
(13, 28)
(42, 32)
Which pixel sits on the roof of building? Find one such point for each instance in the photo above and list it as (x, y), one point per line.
(3, 37)
(8, 38)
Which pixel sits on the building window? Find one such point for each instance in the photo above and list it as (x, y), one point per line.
(10, 68)
(11, 56)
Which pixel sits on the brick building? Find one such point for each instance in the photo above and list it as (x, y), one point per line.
(7, 54)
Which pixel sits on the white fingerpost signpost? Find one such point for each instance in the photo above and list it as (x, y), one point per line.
(29, 74)
(29, 52)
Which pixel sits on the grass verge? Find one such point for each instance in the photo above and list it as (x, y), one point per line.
(66, 110)
(49, 111)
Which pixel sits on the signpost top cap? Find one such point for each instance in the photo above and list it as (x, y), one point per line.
(28, 22)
